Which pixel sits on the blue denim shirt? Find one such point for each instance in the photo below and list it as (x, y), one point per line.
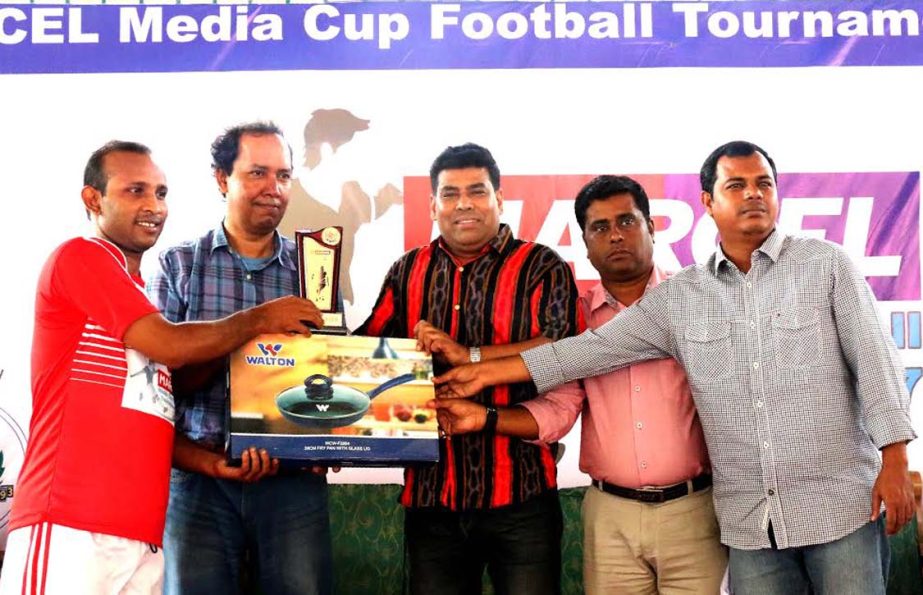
(205, 279)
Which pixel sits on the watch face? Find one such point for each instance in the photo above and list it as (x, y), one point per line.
(474, 354)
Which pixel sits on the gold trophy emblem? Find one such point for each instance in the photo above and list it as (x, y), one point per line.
(319, 264)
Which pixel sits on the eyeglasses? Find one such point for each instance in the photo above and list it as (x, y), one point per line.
(603, 228)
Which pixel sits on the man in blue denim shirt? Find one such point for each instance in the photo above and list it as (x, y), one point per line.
(219, 517)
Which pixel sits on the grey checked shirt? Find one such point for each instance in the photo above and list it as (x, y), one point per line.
(796, 382)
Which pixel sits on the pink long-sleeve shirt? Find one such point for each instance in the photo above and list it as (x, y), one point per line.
(639, 426)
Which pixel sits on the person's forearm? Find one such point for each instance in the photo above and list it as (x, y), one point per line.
(470, 379)
(177, 345)
(202, 341)
(506, 370)
(518, 422)
(490, 352)
(189, 456)
(460, 416)
(895, 454)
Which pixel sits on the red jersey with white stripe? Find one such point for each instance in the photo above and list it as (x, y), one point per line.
(101, 434)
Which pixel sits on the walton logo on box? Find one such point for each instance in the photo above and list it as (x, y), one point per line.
(875, 216)
(270, 356)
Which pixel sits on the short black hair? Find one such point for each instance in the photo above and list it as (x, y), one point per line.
(606, 186)
(94, 175)
(737, 148)
(461, 157)
(226, 147)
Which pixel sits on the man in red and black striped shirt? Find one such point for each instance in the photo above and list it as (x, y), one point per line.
(492, 499)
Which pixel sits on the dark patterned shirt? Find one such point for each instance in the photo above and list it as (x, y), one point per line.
(514, 291)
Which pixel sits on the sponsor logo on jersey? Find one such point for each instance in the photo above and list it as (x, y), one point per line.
(164, 381)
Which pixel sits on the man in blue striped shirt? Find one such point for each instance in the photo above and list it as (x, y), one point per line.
(220, 517)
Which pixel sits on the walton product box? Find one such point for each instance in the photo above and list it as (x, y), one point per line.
(334, 400)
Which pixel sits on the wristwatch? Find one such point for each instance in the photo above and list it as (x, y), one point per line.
(490, 425)
(474, 354)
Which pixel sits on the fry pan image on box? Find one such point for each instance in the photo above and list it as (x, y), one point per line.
(321, 402)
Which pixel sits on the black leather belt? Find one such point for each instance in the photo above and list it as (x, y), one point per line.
(664, 494)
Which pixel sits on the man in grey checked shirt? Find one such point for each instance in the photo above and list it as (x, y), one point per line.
(797, 384)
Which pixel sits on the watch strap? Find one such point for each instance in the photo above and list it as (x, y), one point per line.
(490, 424)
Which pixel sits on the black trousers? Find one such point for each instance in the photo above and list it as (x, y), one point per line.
(520, 546)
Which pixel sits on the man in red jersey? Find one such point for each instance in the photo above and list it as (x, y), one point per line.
(89, 510)
(492, 499)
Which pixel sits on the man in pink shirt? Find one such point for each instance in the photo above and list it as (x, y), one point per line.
(649, 521)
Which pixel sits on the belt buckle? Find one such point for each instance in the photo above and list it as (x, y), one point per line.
(646, 494)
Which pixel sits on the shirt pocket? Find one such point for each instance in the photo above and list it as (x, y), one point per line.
(796, 337)
(708, 350)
